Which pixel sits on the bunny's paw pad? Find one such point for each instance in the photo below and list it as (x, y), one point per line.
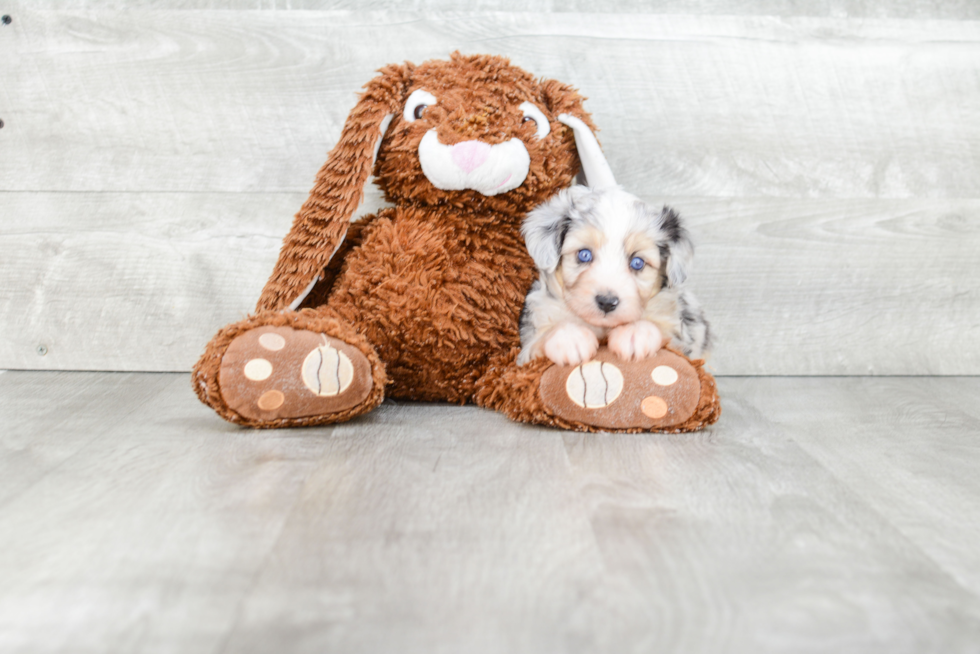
(269, 373)
(654, 394)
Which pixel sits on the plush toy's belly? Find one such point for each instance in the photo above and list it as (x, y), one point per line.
(438, 297)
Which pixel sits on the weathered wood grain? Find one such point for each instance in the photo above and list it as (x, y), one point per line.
(192, 137)
(829, 287)
(610, 543)
(131, 281)
(38, 437)
(889, 439)
(922, 9)
(434, 528)
(688, 105)
(801, 287)
(146, 538)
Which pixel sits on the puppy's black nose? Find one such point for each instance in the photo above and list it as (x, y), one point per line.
(607, 302)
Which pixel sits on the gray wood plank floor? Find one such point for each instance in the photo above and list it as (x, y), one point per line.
(819, 515)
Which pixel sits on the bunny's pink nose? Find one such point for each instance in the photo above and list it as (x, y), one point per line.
(470, 155)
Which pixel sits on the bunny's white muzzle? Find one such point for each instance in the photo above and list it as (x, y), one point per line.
(487, 169)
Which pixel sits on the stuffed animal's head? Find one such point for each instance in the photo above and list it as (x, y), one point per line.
(473, 132)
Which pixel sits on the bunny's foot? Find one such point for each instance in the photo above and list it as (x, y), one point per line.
(659, 393)
(665, 392)
(279, 375)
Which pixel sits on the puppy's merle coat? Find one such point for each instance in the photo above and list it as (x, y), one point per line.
(610, 267)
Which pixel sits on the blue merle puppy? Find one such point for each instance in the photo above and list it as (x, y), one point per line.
(610, 268)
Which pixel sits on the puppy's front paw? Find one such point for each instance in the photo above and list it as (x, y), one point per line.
(635, 341)
(570, 345)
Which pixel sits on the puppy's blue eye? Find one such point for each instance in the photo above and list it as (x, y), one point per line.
(636, 263)
(584, 255)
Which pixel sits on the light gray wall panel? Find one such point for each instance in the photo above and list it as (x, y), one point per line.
(830, 287)
(700, 106)
(130, 281)
(151, 162)
(799, 287)
(924, 9)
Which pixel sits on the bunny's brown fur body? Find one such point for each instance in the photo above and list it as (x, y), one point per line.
(438, 292)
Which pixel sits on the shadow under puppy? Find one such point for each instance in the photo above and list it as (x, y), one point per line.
(610, 268)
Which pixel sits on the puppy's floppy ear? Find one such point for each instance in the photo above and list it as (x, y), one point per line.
(675, 243)
(545, 228)
(321, 224)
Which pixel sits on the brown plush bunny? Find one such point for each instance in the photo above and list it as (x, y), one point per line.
(422, 301)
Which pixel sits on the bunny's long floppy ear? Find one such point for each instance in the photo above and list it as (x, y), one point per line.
(566, 103)
(321, 224)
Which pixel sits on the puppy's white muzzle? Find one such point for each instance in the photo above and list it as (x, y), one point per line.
(475, 165)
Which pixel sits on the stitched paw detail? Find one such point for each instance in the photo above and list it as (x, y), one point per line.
(327, 371)
(594, 385)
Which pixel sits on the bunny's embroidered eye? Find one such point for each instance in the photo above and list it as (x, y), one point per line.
(540, 120)
(417, 103)
(584, 255)
(636, 263)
